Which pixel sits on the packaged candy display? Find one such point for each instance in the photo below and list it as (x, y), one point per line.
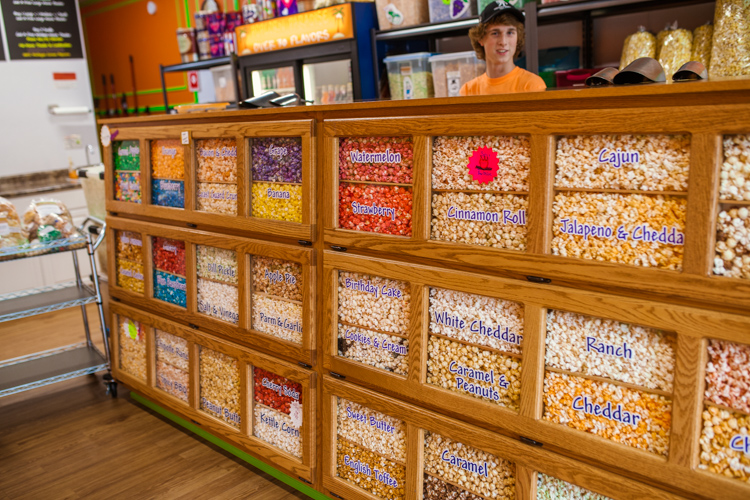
(612, 349)
(217, 283)
(702, 39)
(442, 11)
(402, 13)
(674, 49)
(170, 284)
(476, 319)
(220, 386)
(640, 44)
(278, 411)
(732, 250)
(628, 416)
(551, 488)
(730, 50)
(473, 371)
(129, 256)
(451, 71)
(127, 162)
(217, 175)
(498, 165)
(467, 469)
(376, 159)
(277, 159)
(633, 162)
(11, 231)
(635, 229)
(168, 173)
(132, 340)
(371, 450)
(277, 277)
(409, 76)
(277, 201)
(278, 318)
(387, 352)
(47, 220)
(378, 209)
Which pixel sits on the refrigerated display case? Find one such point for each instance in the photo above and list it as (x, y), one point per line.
(338, 70)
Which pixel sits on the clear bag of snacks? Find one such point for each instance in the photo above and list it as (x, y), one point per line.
(47, 220)
(642, 43)
(11, 231)
(702, 39)
(674, 48)
(730, 52)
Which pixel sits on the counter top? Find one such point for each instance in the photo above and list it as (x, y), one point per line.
(710, 93)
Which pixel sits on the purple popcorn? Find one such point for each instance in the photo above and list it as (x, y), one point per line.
(277, 159)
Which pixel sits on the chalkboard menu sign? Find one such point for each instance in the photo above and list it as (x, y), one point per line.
(42, 29)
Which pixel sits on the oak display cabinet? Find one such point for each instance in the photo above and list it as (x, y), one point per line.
(236, 177)
(262, 405)
(376, 447)
(259, 294)
(619, 381)
(609, 199)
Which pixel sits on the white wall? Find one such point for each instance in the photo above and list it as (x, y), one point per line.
(31, 139)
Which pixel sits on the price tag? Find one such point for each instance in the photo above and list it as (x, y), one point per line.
(186, 138)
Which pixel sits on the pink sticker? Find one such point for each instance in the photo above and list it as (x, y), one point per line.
(483, 165)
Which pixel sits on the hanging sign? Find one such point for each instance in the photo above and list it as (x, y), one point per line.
(307, 28)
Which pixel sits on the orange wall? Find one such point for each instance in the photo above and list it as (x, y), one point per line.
(116, 29)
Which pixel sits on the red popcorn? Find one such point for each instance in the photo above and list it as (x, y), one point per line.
(378, 159)
(169, 255)
(378, 209)
(275, 391)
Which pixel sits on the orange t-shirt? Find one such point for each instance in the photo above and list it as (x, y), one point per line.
(518, 80)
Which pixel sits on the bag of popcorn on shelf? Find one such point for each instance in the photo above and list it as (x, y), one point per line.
(11, 230)
(48, 220)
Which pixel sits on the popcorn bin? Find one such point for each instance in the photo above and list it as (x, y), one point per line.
(216, 161)
(622, 198)
(451, 71)
(373, 321)
(375, 184)
(370, 450)
(220, 386)
(277, 178)
(129, 261)
(172, 365)
(732, 249)
(480, 190)
(218, 276)
(611, 379)
(725, 433)
(131, 340)
(278, 411)
(167, 173)
(127, 163)
(278, 298)
(409, 76)
(170, 282)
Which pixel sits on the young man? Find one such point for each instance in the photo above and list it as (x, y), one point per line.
(498, 39)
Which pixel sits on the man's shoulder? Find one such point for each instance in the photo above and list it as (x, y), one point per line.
(530, 80)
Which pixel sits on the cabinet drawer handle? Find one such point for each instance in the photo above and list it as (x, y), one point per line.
(538, 279)
(338, 248)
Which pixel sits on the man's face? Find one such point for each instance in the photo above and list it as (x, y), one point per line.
(500, 42)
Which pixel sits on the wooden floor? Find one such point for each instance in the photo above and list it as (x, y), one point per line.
(70, 440)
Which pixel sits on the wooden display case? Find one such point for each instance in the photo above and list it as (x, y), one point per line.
(526, 460)
(258, 294)
(541, 356)
(202, 175)
(502, 193)
(194, 389)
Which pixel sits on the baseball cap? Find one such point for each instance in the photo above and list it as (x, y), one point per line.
(494, 9)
